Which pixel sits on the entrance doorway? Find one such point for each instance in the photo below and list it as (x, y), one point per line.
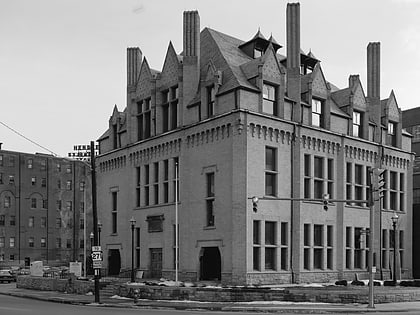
(114, 262)
(156, 262)
(210, 264)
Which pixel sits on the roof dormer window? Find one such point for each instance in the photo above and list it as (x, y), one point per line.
(258, 52)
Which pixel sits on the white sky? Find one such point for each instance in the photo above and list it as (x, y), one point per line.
(63, 62)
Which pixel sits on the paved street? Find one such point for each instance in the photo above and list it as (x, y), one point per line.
(24, 301)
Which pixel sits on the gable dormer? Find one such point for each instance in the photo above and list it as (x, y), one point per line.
(256, 47)
(114, 126)
(391, 118)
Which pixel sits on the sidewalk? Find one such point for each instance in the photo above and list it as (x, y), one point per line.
(259, 306)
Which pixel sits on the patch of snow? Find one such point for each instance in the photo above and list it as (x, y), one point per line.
(120, 297)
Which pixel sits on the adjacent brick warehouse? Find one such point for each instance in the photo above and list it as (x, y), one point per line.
(257, 123)
(42, 203)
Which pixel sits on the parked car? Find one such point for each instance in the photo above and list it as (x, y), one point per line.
(6, 276)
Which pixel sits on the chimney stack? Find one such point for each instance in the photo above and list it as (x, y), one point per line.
(353, 79)
(293, 58)
(373, 85)
(191, 57)
(191, 34)
(134, 57)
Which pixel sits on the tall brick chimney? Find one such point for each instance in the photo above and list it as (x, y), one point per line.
(134, 57)
(191, 55)
(374, 85)
(293, 58)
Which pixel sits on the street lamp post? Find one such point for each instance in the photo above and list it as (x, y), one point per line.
(91, 240)
(99, 232)
(394, 219)
(132, 223)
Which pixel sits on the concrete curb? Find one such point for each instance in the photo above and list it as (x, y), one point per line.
(216, 306)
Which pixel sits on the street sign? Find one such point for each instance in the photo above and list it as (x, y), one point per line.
(96, 248)
(97, 264)
(96, 256)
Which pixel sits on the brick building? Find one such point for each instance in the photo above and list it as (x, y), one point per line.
(42, 203)
(411, 122)
(242, 119)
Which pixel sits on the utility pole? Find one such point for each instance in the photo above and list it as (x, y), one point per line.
(95, 216)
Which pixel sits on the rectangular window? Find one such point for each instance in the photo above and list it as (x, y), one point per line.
(58, 223)
(173, 107)
(69, 205)
(11, 179)
(12, 220)
(11, 161)
(348, 247)
(318, 177)
(1, 178)
(31, 242)
(402, 192)
(43, 242)
(269, 100)
(146, 183)
(1, 241)
(69, 185)
(43, 182)
(68, 244)
(317, 113)
(307, 176)
(330, 238)
(81, 224)
(58, 204)
(392, 135)
(68, 169)
(270, 172)
(2, 220)
(7, 201)
(256, 245)
(357, 130)
(137, 238)
(31, 221)
(284, 243)
(306, 246)
(330, 177)
(114, 212)
(44, 204)
(210, 199)
(58, 242)
(33, 203)
(349, 169)
(12, 242)
(211, 96)
(165, 111)
(358, 182)
(33, 181)
(270, 245)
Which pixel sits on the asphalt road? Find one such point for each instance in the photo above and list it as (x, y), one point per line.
(10, 305)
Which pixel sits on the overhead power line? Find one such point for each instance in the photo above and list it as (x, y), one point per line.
(26, 138)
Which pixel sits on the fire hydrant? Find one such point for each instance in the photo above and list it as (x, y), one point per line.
(136, 294)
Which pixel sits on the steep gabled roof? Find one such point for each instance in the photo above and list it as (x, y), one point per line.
(342, 97)
(228, 58)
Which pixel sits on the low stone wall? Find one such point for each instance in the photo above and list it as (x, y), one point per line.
(70, 285)
(202, 294)
(333, 294)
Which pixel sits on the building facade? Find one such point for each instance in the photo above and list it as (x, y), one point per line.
(411, 122)
(44, 204)
(227, 120)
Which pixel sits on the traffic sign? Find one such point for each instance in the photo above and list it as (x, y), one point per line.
(96, 256)
(97, 264)
(96, 248)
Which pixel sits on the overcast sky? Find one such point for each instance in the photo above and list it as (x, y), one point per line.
(63, 62)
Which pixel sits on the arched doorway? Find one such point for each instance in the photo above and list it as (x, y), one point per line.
(210, 264)
(114, 262)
